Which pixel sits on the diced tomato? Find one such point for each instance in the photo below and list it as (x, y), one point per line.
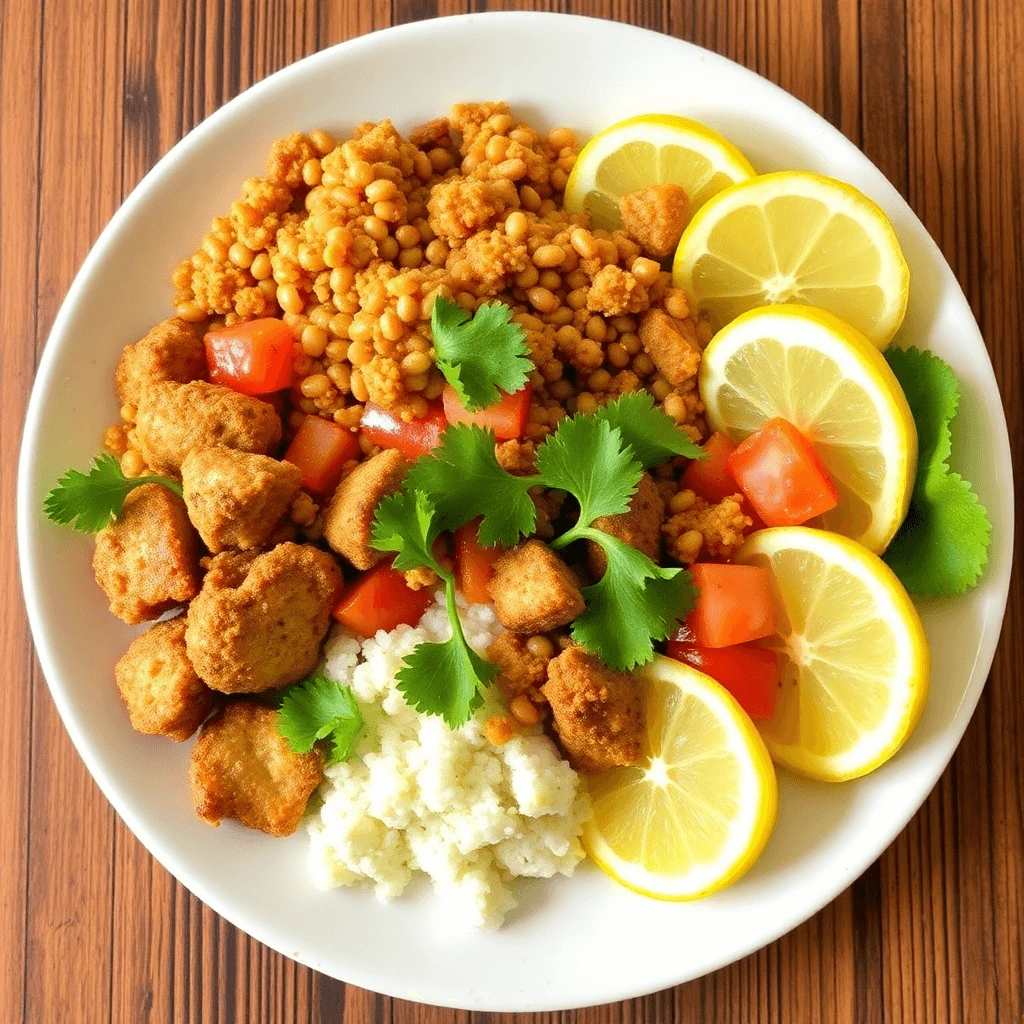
(320, 448)
(750, 674)
(381, 599)
(507, 417)
(254, 358)
(412, 439)
(709, 478)
(782, 475)
(734, 605)
(474, 564)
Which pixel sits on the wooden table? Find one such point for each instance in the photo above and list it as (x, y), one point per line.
(91, 94)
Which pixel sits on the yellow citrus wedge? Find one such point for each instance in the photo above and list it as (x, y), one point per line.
(647, 150)
(794, 236)
(853, 657)
(697, 811)
(825, 377)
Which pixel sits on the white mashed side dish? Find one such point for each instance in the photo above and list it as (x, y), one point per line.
(416, 795)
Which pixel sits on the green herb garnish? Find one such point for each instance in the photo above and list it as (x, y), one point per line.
(651, 434)
(90, 501)
(942, 546)
(319, 708)
(479, 354)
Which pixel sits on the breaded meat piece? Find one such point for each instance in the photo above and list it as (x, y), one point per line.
(258, 621)
(717, 529)
(170, 351)
(596, 711)
(237, 499)
(348, 518)
(243, 768)
(670, 345)
(519, 669)
(533, 590)
(615, 291)
(146, 560)
(172, 419)
(159, 686)
(640, 527)
(654, 217)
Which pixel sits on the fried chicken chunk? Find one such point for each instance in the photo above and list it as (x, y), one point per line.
(640, 527)
(158, 684)
(243, 768)
(236, 499)
(717, 529)
(173, 418)
(596, 711)
(520, 670)
(348, 519)
(533, 590)
(170, 351)
(258, 621)
(654, 217)
(145, 560)
(671, 344)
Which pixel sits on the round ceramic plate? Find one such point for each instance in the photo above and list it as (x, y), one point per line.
(572, 941)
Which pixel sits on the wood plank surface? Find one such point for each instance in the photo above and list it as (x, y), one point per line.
(92, 92)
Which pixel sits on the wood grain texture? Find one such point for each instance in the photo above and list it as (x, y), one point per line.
(91, 94)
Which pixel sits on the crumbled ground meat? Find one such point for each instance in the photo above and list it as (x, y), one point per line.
(699, 527)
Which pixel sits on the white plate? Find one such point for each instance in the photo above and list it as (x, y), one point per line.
(573, 941)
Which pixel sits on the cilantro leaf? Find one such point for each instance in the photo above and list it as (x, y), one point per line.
(651, 434)
(633, 604)
(463, 480)
(587, 457)
(406, 524)
(89, 502)
(319, 708)
(479, 354)
(942, 546)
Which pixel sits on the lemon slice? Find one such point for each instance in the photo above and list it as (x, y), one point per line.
(854, 661)
(697, 811)
(795, 237)
(826, 378)
(647, 150)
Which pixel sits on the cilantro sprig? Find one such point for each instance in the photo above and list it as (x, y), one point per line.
(88, 502)
(479, 354)
(942, 546)
(317, 709)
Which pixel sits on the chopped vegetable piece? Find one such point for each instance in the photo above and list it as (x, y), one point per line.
(381, 599)
(734, 605)
(254, 358)
(709, 478)
(319, 708)
(750, 674)
(782, 475)
(90, 501)
(481, 354)
(474, 564)
(320, 448)
(413, 438)
(506, 417)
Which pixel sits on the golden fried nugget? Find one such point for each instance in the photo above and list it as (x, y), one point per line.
(170, 351)
(640, 527)
(596, 711)
(533, 590)
(348, 519)
(669, 344)
(717, 529)
(145, 560)
(243, 768)
(520, 670)
(654, 217)
(158, 684)
(237, 499)
(172, 419)
(258, 621)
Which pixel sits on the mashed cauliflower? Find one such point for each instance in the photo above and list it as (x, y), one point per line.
(418, 796)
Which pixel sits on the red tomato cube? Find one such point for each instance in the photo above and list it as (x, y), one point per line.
(709, 478)
(253, 358)
(413, 438)
(734, 605)
(320, 449)
(750, 674)
(782, 475)
(474, 564)
(381, 599)
(507, 417)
